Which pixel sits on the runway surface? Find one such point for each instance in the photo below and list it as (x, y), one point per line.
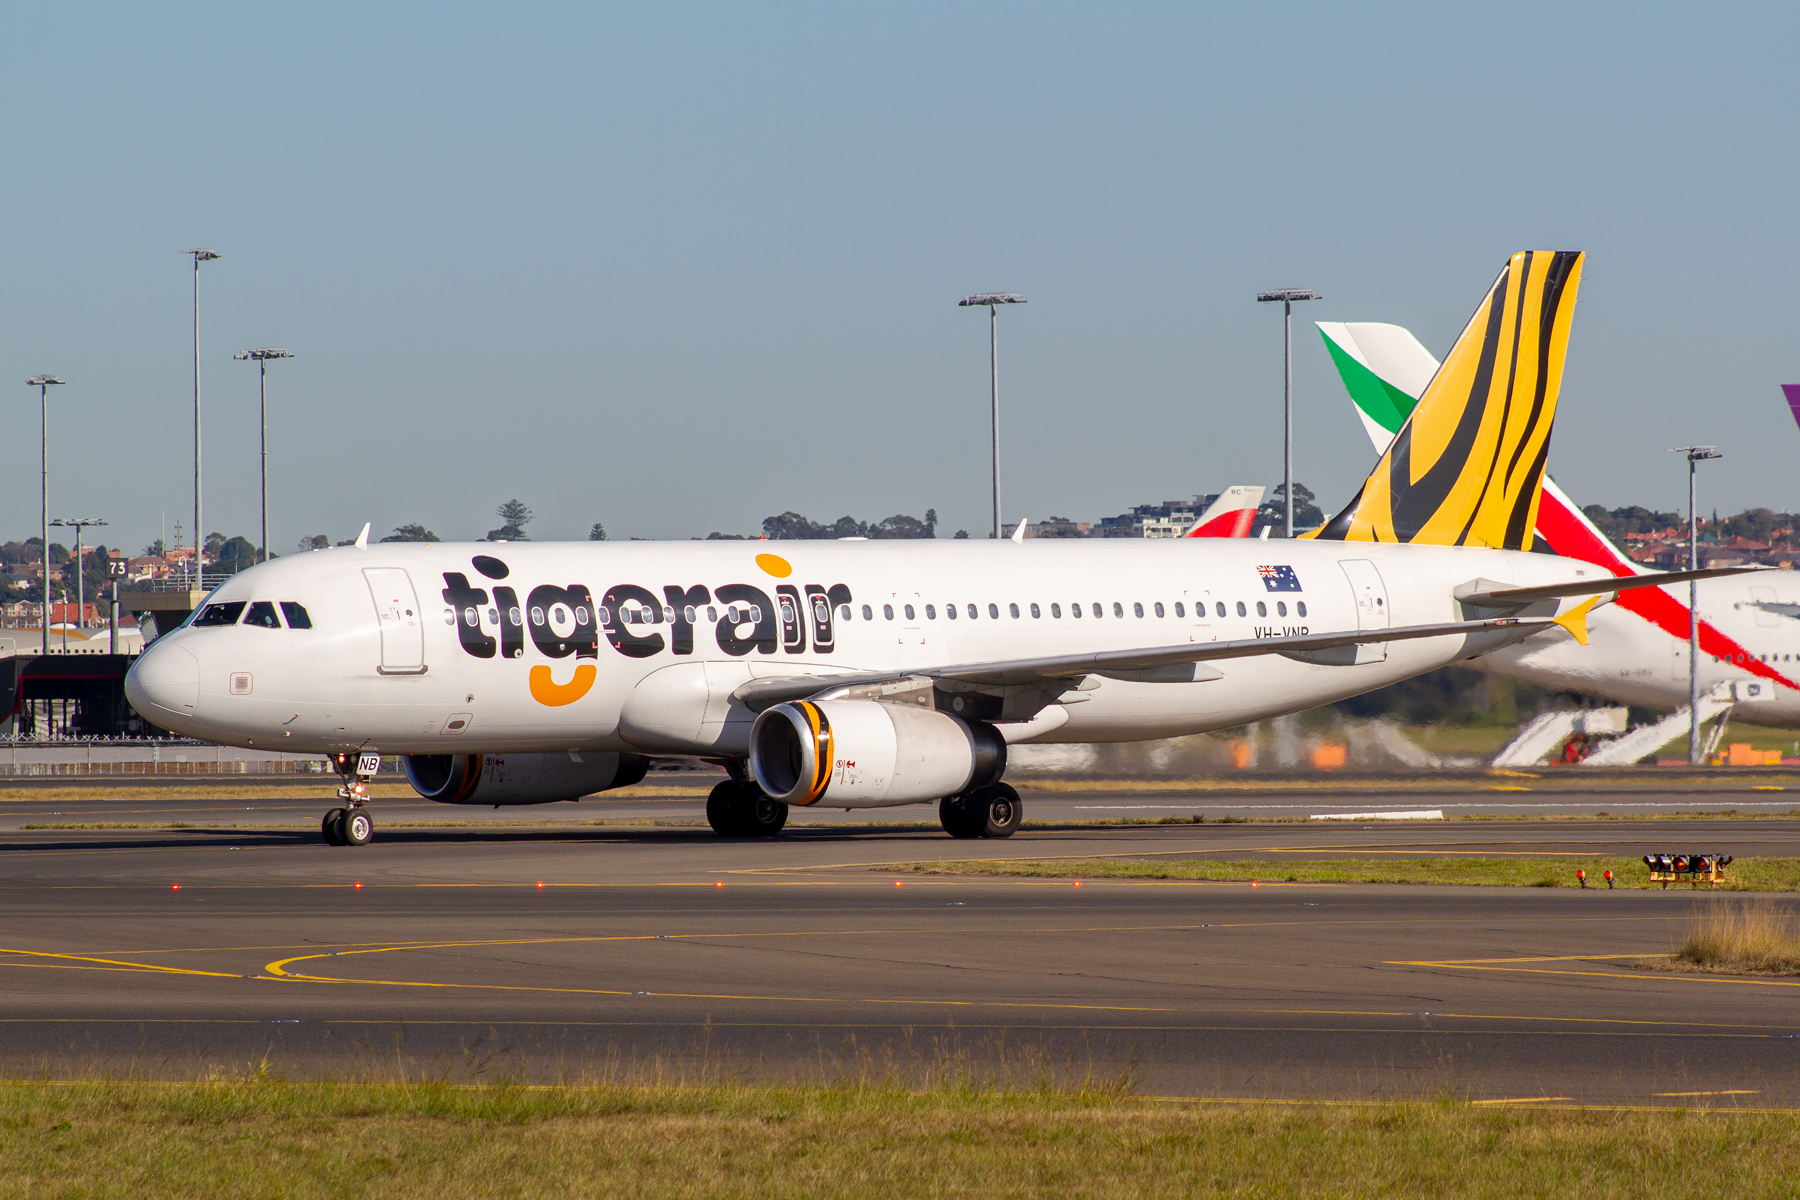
(664, 950)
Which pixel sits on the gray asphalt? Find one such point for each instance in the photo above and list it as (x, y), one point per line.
(665, 952)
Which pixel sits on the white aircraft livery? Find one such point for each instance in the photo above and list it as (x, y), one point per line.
(862, 674)
(1638, 654)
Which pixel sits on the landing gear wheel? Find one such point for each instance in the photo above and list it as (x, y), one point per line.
(356, 828)
(722, 809)
(762, 817)
(960, 816)
(332, 827)
(1001, 811)
(736, 809)
(993, 811)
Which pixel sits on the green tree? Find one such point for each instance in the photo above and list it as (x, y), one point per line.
(317, 541)
(234, 555)
(155, 549)
(597, 533)
(962, 534)
(514, 516)
(411, 533)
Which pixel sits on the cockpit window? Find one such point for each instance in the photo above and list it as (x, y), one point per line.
(296, 615)
(220, 614)
(262, 613)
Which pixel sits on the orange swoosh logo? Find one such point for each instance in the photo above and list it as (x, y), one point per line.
(545, 690)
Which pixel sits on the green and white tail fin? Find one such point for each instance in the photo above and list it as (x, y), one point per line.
(1385, 370)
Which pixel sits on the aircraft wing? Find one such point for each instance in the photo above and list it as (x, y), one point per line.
(759, 694)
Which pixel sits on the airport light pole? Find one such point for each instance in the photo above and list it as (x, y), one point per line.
(1695, 454)
(78, 524)
(200, 256)
(992, 301)
(261, 358)
(1288, 297)
(43, 383)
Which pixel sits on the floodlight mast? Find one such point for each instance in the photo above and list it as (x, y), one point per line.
(43, 383)
(1288, 297)
(992, 301)
(200, 256)
(261, 358)
(78, 524)
(1695, 454)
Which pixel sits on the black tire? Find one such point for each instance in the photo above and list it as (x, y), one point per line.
(1001, 811)
(761, 816)
(332, 827)
(357, 827)
(723, 812)
(960, 816)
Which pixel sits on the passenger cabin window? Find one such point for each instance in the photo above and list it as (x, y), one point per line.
(950, 611)
(1181, 611)
(1262, 610)
(1281, 608)
(1137, 609)
(262, 615)
(1159, 608)
(296, 615)
(1097, 610)
(994, 611)
(973, 612)
(220, 614)
(1220, 606)
(1036, 615)
(1242, 611)
(909, 612)
(887, 610)
(869, 613)
(1074, 610)
(843, 612)
(1056, 611)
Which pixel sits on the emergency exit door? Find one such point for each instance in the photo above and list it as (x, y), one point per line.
(1371, 604)
(402, 629)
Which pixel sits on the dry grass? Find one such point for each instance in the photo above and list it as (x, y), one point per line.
(1746, 874)
(274, 1138)
(1737, 937)
(247, 789)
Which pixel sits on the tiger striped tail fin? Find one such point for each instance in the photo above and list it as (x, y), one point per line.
(1466, 467)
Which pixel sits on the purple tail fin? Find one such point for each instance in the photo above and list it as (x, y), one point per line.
(1792, 392)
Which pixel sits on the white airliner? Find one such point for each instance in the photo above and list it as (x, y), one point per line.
(862, 674)
(1638, 651)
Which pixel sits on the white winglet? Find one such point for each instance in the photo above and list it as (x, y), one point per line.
(1264, 535)
(1018, 535)
(362, 539)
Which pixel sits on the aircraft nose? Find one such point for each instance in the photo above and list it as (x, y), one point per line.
(164, 685)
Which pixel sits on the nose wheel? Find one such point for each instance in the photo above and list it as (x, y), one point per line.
(350, 825)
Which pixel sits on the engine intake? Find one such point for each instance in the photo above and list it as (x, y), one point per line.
(864, 754)
(519, 778)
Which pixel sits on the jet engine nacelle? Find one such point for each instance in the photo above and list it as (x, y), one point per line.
(865, 754)
(519, 778)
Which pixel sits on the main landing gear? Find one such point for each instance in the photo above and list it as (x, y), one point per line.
(738, 808)
(993, 811)
(351, 826)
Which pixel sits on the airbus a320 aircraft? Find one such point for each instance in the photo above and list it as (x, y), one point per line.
(862, 674)
(1638, 652)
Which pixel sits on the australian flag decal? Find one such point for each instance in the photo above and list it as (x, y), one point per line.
(1279, 579)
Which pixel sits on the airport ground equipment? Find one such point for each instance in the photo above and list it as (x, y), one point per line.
(1691, 869)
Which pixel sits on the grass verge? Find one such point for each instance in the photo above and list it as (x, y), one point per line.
(292, 1139)
(1746, 874)
(1736, 937)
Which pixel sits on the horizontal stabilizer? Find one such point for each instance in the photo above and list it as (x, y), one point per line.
(1507, 597)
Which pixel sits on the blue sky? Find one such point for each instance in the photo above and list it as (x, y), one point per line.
(678, 267)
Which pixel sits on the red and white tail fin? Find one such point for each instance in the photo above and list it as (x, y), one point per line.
(1230, 516)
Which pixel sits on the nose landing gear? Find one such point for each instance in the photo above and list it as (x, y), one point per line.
(351, 826)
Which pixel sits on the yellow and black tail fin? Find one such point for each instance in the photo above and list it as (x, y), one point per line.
(1465, 468)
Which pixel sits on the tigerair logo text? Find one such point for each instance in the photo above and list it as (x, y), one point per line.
(563, 621)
